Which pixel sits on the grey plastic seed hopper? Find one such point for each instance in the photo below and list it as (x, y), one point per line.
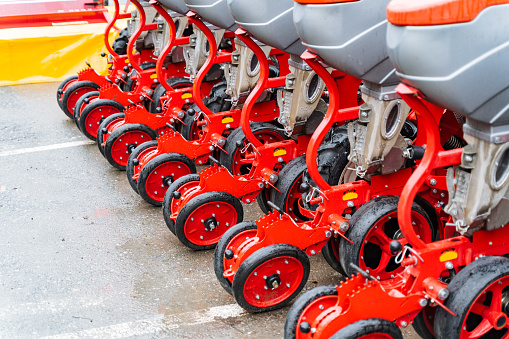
(213, 11)
(349, 36)
(178, 6)
(462, 66)
(268, 21)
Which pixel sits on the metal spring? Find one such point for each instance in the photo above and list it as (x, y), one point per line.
(453, 143)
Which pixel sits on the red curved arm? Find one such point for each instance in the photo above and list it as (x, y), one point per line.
(108, 30)
(327, 122)
(259, 88)
(136, 35)
(194, 19)
(164, 53)
(433, 158)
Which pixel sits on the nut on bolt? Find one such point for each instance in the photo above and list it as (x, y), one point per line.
(344, 226)
(443, 294)
(273, 178)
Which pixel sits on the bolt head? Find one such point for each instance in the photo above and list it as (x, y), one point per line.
(305, 327)
(423, 302)
(344, 226)
(443, 294)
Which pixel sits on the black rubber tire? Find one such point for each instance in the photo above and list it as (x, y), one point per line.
(330, 256)
(129, 168)
(288, 177)
(79, 104)
(221, 248)
(177, 82)
(464, 289)
(432, 214)
(186, 129)
(218, 100)
(226, 159)
(262, 200)
(369, 326)
(120, 43)
(130, 84)
(117, 133)
(196, 202)
(104, 124)
(60, 90)
(92, 106)
(259, 257)
(419, 326)
(168, 197)
(361, 224)
(75, 86)
(156, 162)
(292, 318)
(332, 158)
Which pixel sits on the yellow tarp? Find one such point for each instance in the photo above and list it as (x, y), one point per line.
(46, 54)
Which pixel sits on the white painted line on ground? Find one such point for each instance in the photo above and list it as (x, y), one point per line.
(46, 148)
(157, 324)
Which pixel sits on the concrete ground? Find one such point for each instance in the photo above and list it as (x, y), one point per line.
(83, 256)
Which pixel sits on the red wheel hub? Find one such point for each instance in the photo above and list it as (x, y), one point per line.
(96, 116)
(375, 254)
(273, 281)
(162, 176)
(144, 157)
(206, 224)
(488, 312)
(234, 245)
(111, 127)
(66, 86)
(314, 311)
(84, 105)
(122, 147)
(292, 201)
(242, 161)
(175, 203)
(76, 95)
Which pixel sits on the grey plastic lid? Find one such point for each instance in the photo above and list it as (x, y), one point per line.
(268, 21)
(463, 67)
(178, 6)
(349, 36)
(214, 11)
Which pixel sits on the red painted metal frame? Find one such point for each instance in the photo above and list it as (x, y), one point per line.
(138, 113)
(398, 299)
(214, 125)
(313, 235)
(247, 187)
(214, 129)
